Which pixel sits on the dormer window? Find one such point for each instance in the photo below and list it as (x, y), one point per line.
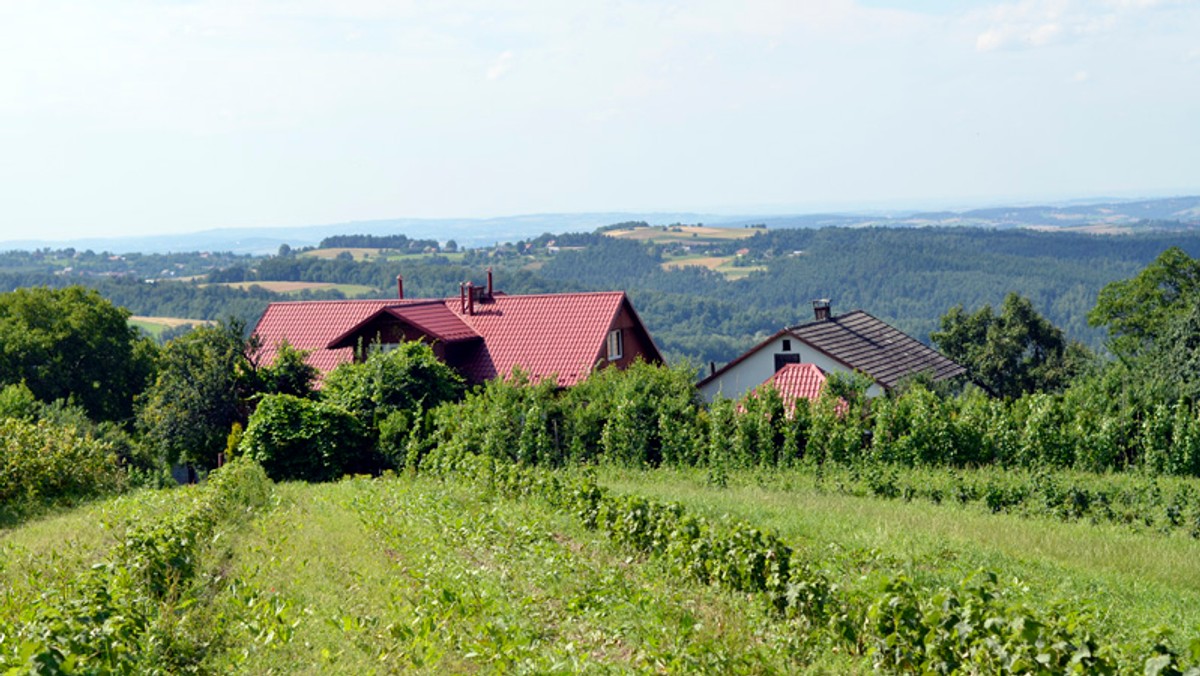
(615, 345)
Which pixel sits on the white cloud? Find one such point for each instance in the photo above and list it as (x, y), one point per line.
(1038, 23)
(500, 66)
(1080, 76)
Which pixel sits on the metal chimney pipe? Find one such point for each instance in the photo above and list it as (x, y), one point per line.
(400, 287)
(489, 287)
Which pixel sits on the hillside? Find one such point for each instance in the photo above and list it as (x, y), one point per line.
(1102, 216)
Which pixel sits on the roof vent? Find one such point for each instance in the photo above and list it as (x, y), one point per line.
(821, 309)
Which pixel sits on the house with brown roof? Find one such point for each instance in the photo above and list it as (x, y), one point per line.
(848, 343)
(482, 333)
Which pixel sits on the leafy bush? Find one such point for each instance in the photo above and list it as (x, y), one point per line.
(42, 463)
(300, 439)
(130, 613)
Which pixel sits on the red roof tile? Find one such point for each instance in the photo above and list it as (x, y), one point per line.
(561, 333)
(311, 325)
(795, 381)
(430, 317)
(550, 334)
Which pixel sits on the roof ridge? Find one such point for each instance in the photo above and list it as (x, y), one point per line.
(835, 318)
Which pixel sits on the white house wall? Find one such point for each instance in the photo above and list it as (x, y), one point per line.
(756, 368)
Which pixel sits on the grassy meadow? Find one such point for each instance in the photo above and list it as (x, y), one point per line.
(444, 575)
(1137, 581)
(156, 325)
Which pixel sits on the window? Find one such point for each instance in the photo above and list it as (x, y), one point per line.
(787, 344)
(782, 360)
(615, 345)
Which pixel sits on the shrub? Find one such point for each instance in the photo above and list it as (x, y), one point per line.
(44, 464)
(295, 438)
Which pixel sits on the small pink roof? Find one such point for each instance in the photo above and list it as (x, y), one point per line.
(795, 381)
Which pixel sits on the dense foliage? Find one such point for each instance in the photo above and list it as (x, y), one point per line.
(298, 439)
(130, 612)
(1014, 352)
(43, 464)
(72, 344)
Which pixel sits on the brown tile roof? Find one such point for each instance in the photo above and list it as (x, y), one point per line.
(876, 348)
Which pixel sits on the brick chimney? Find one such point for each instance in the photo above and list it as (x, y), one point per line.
(821, 309)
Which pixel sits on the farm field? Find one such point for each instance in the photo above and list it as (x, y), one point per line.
(683, 233)
(375, 576)
(350, 290)
(452, 574)
(156, 325)
(366, 254)
(722, 264)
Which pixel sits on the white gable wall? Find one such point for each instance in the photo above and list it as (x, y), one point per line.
(756, 368)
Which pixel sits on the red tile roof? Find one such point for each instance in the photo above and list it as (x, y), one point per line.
(311, 325)
(431, 317)
(561, 333)
(795, 381)
(550, 334)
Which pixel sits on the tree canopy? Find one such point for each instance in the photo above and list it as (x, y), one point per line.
(1138, 312)
(1013, 352)
(73, 344)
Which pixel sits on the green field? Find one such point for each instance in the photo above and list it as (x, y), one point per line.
(721, 264)
(349, 290)
(456, 574)
(1134, 580)
(156, 325)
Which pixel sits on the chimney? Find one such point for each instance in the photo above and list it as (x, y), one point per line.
(470, 298)
(400, 287)
(821, 309)
(489, 286)
(462, 297)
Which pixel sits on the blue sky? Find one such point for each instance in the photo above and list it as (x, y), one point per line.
(135, 117)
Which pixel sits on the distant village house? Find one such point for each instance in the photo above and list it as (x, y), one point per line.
(796, 359)
(482, 333)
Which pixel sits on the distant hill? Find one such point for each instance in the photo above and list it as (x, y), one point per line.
(1102, 217)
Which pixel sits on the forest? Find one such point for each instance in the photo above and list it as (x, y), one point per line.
(908, 277)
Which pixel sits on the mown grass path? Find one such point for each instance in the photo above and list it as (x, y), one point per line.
(415, 575)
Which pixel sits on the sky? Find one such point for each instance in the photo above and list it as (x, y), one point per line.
(138, 117)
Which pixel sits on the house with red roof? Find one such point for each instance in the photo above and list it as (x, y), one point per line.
(482, 333)
(855, 342)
